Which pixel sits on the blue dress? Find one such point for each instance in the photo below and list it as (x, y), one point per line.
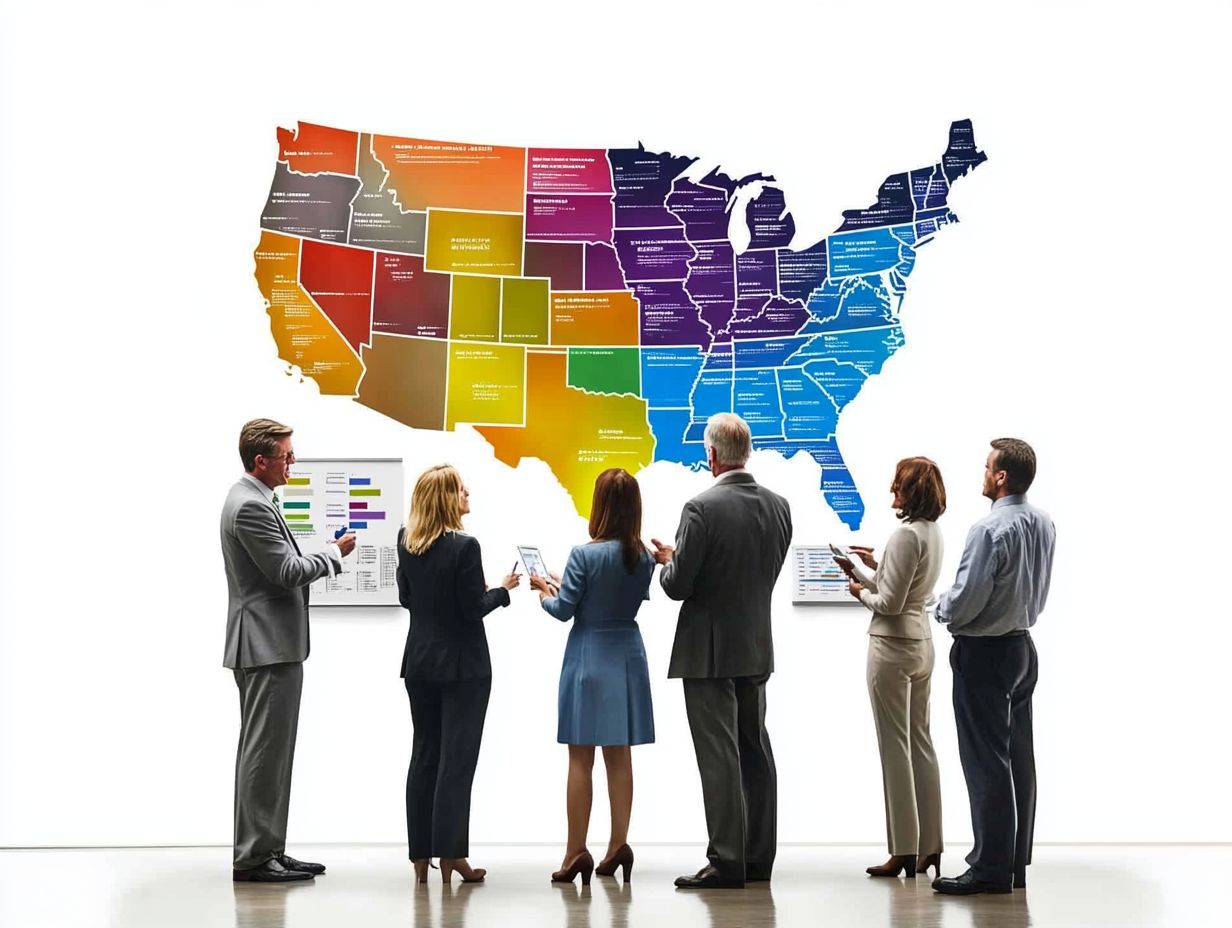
(604, 681)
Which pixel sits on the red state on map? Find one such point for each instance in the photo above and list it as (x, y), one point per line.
(316, 149)
(339, 279)
(409, 300)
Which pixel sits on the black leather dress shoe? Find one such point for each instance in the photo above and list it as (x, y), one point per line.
(709, 878)
(967, 885)
(1020, 880)
(306, 866)
(272, 871)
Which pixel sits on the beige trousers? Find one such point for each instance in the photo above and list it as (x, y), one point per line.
(899, 679)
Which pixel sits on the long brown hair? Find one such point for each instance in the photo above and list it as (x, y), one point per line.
(616, 514)
(918, 483)
(435, 508)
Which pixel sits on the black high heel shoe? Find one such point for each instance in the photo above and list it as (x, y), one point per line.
(583, 863)
(894, 866)
(623, 858)
(932, 860)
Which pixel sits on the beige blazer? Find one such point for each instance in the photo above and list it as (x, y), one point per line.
(906, 575)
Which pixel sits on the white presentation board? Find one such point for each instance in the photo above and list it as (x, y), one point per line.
(816, 579)
(363, 494)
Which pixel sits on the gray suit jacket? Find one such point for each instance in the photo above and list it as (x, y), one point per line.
(729, 549)
(267, 582)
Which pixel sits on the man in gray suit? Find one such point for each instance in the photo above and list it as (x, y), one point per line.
(267, 642)
(729, 549)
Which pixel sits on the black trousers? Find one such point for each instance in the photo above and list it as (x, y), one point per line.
(739, 782)
(448, 721)
(993, 682)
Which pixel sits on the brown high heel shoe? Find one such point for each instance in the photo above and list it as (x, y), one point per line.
(623, 858)
(469, 874)
(932, 860)
(421, 866)
(583, 863)
(894, 866)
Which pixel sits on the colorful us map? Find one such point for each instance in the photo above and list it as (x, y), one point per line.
(588, 307)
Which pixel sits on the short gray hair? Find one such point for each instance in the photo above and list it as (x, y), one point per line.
(730, 438)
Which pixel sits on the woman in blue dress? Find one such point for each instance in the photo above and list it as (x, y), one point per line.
(604, 681)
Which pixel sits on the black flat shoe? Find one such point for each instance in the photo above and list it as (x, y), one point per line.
(708, 878)
(303, 865)
(272, 871)
(967, 885)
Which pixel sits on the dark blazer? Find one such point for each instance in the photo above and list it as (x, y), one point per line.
(267, 582)
(729, 549)
(444, 590)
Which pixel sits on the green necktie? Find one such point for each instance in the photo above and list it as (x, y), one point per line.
(277, 502)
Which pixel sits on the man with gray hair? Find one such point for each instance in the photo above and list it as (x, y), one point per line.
(729, 549)
(267, 643)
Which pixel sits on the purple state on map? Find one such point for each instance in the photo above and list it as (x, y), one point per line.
(643, 179)
(653, 254)
(770, 225)
(668, 316)
(712, 283)
(702, 209)
(602, 269)
(576, 217)
(777, 318)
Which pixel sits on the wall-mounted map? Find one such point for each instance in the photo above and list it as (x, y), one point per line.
(588, 307)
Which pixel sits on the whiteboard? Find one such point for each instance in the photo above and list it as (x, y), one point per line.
(323, 495)
(817, 579)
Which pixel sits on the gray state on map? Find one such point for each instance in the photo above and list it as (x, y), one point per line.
(376, 221)
(310, 205)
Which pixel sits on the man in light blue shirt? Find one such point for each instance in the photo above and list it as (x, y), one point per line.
(999, 592)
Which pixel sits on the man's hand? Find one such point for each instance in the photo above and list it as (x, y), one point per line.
(844, 565)
(346, 544)
(854, 588)
(663, 553)
(511, 580)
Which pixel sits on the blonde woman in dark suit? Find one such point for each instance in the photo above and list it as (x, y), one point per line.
(900, 667)
(446, 668)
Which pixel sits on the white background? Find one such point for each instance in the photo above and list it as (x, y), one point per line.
(1081, 304)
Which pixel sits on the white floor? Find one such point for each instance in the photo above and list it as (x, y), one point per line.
(371, 886)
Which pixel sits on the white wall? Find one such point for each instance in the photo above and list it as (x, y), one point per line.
(1081, 304)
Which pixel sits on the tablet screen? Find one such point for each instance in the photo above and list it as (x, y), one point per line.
(533, 561)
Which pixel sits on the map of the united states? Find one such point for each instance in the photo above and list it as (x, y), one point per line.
(587, 307)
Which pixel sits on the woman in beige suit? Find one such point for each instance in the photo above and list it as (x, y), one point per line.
(900, 667)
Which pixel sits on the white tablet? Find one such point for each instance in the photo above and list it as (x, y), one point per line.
(532, 560)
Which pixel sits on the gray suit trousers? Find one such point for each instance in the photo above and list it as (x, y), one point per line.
(739, 782)
(269, 716)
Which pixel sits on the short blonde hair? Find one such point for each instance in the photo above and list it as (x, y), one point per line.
(436, 508)
(730, 438)
(260, 436)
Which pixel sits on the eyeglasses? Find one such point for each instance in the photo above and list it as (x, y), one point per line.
(289, 455)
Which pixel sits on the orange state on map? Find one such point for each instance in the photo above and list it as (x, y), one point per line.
(305, 337)
(455, 175)
(578, 434)
(319, 149)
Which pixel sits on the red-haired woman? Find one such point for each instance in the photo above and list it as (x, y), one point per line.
(900, 667)
(604, 682)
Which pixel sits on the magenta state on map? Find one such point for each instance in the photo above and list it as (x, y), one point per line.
(568, 170)
(569, 218)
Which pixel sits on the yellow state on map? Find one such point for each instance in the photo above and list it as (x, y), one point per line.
(487, 384)
(305, 337)
(474, 243)
(577, 434)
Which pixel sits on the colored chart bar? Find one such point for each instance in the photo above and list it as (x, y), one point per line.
(359, 505)
(299, 481)
(355, 525)
(299, 492)
(290, 505)
(370, 515)
(297, 517)
(301, 528)
(361, 481)
(365, 492)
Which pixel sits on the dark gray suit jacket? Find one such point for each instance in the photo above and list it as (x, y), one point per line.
(267, 582)
(729, 549)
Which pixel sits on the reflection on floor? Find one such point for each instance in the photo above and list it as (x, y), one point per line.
(371, 886)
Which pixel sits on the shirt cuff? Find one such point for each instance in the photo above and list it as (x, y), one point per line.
(335, 558)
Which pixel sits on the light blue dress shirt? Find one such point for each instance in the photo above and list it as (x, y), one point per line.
(1004, 573)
